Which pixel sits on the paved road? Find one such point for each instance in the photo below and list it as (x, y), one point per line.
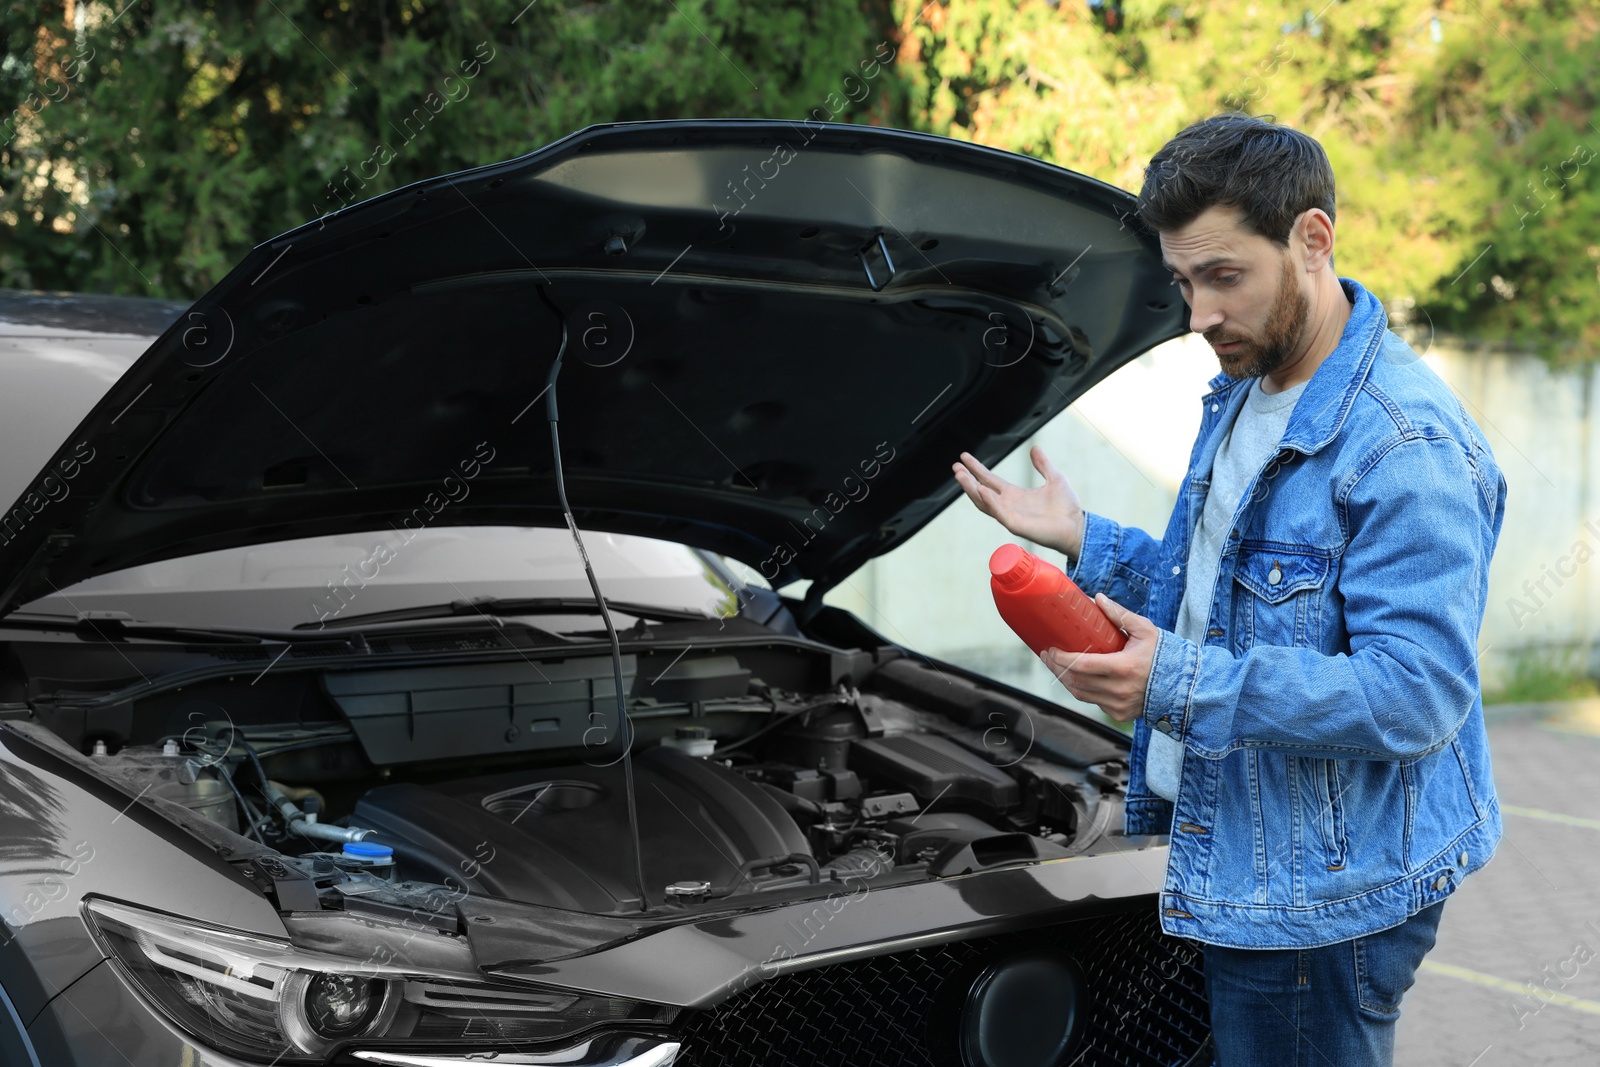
(1531, 915)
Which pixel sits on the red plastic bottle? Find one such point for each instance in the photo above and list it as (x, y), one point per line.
(1045, 608)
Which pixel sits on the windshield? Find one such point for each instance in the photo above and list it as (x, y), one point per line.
(284, 584)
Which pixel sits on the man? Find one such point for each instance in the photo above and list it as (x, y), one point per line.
(1301, 664)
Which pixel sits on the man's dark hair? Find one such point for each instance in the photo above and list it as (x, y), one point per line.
(1270, 173)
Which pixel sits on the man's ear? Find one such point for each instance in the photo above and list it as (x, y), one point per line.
(1316, 235)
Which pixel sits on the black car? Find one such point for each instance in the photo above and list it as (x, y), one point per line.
(278, 785)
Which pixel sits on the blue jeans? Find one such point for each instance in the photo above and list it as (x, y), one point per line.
(1334, 1006)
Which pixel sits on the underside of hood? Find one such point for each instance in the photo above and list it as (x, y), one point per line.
(778, 338)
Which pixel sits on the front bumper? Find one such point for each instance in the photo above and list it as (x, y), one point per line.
(800, 985)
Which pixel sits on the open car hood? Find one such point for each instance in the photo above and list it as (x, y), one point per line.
(779, 336)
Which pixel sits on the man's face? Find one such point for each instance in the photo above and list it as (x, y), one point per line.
(1246, 294)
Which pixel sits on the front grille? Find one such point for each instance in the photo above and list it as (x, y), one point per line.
(1145, 1003)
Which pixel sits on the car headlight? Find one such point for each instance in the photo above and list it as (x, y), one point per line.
(263, 998)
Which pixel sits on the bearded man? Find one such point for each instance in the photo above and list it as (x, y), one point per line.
(1301, 664)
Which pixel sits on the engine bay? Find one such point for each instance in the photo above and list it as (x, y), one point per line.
(757, 766)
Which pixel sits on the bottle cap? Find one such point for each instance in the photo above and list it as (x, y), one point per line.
(1012, 565)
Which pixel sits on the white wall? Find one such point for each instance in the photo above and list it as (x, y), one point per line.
(1124, 446)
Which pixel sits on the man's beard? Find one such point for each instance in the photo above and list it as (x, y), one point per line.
(1286, 322)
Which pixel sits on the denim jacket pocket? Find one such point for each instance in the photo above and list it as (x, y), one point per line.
(1280, 602)
(1327, 793)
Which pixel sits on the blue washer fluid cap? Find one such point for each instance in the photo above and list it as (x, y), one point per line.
(367, 850)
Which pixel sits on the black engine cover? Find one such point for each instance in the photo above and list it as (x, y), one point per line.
(933, 767)
(559, 836)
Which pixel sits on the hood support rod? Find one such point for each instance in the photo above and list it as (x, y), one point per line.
(605, 612)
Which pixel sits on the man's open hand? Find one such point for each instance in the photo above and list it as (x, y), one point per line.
(1047, 514)
(1115, 681)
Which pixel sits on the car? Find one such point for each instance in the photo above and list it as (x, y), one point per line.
(396, 666)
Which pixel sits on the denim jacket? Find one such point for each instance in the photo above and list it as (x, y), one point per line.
(1336, 772)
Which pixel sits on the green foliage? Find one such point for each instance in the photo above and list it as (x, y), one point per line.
(1461, 133)
(1524, 115)
(149, 151)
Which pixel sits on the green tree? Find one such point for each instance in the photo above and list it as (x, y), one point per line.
(1462, 133)
(149, 149)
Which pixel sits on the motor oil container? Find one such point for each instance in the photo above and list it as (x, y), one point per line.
(1043, 606)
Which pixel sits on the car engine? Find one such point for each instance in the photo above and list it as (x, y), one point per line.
(477, 778)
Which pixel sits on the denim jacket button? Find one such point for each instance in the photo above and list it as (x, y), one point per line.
(1214, 407)
(1176, 568)
(1164, 725)
(1461, 860)
(1274, 576)
(1441, 882)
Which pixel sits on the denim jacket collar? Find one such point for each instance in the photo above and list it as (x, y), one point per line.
(1322, 408)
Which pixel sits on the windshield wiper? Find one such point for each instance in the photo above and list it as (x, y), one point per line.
(496, 608)
(112, 625)
(482, 611)
(119, 625)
